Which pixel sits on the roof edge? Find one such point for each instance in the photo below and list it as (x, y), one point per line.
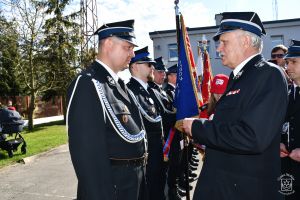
(214, 27)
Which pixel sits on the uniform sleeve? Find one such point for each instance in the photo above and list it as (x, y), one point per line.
(87, 142)
(258, 123)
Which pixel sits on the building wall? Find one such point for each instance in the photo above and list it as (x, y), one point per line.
(289, 29)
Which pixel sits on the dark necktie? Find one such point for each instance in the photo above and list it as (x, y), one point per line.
(230, 81)
(150, 91)
(297, 90)
(122, 85)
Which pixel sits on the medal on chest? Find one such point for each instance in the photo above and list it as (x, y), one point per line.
(125, 116)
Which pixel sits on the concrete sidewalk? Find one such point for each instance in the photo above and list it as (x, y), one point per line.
(45, 120)
(50, 176)
(47, 176)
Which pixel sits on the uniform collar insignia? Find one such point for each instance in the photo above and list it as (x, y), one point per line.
(238, 75)
(260, 63)
(111, 81)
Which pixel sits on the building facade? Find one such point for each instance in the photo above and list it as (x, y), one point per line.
(278, 32)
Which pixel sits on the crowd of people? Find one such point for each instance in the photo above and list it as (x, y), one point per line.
(122, 139)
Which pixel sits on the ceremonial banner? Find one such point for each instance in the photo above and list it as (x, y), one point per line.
(206, 82)
(186, 96)
(199, 77)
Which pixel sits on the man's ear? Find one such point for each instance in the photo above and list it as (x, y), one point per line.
(246, 41)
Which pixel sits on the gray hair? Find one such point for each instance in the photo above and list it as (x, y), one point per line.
(257, 42)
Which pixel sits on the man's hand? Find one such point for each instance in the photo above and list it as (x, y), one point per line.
(187, 126)
(283, 151)
(295, 154)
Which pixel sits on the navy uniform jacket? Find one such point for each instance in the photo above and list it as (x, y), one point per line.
(155, 171)
(92, 139)
(167, 110)
(293, 117)
(149, 104)
(170, 90)
(242, 141)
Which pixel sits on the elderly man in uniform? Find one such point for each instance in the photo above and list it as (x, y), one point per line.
(290, 146)
(106, 136)
(141, 69)
(242, 139)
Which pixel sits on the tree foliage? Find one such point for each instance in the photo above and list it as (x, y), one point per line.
(40, 54)
(31, 71)
(61, 45)
(9, 58)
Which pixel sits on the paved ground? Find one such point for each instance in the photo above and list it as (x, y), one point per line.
(45, 120)
(48, 176)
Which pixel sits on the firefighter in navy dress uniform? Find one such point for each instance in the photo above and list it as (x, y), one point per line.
(166, 106)
(171, 82)
(174, 170)
(106, 137)
(141, 69)
(242, 140)
(290, 146)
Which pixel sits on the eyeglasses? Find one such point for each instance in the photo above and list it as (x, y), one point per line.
(277, 55)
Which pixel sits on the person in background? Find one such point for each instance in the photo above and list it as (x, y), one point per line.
(10, 105)
(217, 89)
(159, 75)
(277, 57)
(141, 69)
(170, 86)
(243, 138)
(175, 152)
(106, 135)
(167, 110)
(277, 54)
(169, 118)
(290, 146)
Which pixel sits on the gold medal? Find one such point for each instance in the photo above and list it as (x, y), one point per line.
(125, 118)
(111, 81)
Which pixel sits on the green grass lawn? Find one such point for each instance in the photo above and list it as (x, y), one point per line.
(43, 138)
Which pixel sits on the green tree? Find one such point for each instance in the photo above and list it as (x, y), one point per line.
(61, 44)
(32, 71)
(9, 58)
